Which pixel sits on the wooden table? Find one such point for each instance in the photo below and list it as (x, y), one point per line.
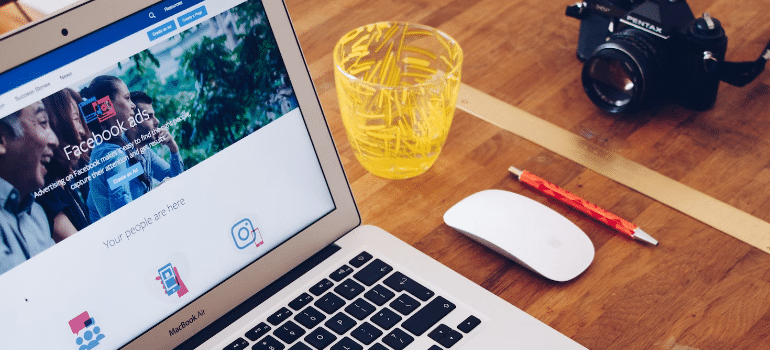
(11, 16)
(699, 289)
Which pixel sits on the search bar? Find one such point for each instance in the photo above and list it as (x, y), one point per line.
(165, 9)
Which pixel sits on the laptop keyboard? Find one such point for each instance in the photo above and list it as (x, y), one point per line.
(361, 305)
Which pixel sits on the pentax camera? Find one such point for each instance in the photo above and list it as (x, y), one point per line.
(641, 51)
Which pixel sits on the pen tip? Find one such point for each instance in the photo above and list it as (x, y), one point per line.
(515, 171)
(640, 235)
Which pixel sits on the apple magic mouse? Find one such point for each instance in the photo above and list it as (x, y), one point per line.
(525, 231)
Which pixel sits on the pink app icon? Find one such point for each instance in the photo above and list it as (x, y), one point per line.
(80, 322)
(92, 335)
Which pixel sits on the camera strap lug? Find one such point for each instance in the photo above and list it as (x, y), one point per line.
(576, 10)
(710, 63)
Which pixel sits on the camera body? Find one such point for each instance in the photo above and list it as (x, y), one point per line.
(637, 51)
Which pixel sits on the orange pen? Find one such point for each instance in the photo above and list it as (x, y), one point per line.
(617, 223)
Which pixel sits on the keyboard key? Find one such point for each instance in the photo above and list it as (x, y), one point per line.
(405, 304)
(279, 316)
(329, 303)
(399, 282)
(340, 323)
(349, 289)
(434, 347)
(269, 343)
(360, 309)
(397, 339)
(289, 332)
(341, 273)
(378, 346)
(301, 301)
(300, 346)
(428, 316)
(360, 259)
(439, 332)
(238, 344)
(450, 339)
(258, 331)
(347, 344)
(310, 317)
(379, 295)
(469, 324)
(320, 338)
(366, 333)
(386, 318)
(320, 287)
(373, 272)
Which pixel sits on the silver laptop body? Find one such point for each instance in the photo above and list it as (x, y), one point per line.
(216, 211)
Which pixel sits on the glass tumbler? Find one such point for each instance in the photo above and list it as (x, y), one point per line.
(397, 86)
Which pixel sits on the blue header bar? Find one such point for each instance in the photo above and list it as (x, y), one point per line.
(75, 50)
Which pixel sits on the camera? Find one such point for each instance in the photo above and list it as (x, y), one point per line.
(641, 51)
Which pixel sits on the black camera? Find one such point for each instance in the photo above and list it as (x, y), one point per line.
(639, 51)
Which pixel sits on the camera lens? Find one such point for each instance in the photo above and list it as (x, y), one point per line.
(64, 31)
(622, 73)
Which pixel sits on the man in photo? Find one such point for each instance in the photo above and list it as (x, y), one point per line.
(146, 132)
(26, 146)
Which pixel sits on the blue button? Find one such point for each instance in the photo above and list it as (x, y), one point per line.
(164, 29)
(192, 16)
(125, 176)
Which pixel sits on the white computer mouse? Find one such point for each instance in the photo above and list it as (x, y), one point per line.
(525, 231)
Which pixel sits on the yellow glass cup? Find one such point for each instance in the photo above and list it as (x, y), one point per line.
(397, 86)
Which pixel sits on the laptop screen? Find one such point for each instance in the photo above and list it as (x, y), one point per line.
(141, 166)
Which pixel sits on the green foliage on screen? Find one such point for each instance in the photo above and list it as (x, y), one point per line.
(231, 84)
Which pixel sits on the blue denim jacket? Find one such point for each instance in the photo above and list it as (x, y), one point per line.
(102, 200)
(158, 169)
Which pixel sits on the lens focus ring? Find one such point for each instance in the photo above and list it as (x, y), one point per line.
(623, 72)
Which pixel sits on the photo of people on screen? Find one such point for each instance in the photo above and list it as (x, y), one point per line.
(122, 134)
(148, 132)
(65, 207)
(86, 151)
(27, 145)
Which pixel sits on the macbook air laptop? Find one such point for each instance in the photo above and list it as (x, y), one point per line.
(168, 180)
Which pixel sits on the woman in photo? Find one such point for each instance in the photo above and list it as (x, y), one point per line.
(64, 206)
(113, 113)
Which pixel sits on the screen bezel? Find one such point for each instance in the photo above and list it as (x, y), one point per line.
(39, 38)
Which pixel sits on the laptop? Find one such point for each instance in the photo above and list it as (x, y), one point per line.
(168, 180)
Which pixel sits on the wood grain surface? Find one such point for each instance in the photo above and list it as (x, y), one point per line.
(11, 16)
(699, 289)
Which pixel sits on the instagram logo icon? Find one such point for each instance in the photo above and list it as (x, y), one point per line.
(244, 234)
